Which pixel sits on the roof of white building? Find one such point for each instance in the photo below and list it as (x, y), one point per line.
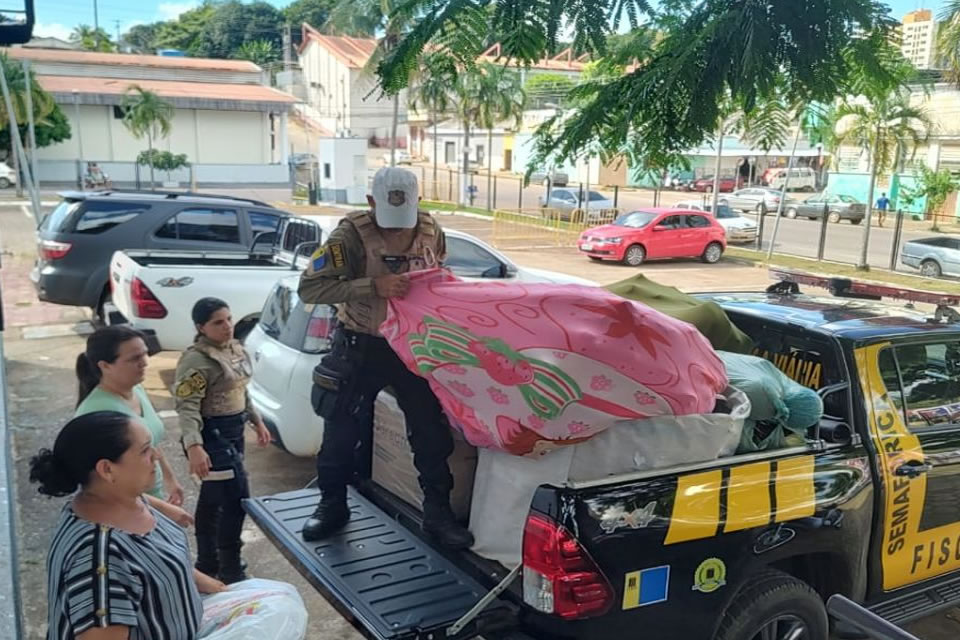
(125, 59)
(192, 95)
(353, 52)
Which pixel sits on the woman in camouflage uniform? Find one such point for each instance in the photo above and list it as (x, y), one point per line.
(213, 407)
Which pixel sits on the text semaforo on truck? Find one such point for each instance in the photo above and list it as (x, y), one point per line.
(744, 547)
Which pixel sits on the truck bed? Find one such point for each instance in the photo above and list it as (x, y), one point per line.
(205, 259)
(390, 583)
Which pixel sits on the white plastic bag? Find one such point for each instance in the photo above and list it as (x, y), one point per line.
(253, 610)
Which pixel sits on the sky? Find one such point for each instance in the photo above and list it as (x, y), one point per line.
(59, 17)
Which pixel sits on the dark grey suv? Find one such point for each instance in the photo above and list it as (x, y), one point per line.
(76, 240)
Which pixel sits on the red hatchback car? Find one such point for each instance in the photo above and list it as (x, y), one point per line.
(655, 234)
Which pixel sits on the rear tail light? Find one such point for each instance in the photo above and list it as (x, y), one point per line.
(145, 304)
(320, 327)
(53, 250)
(559, 576)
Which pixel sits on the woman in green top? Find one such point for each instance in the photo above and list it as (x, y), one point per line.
(110, 372)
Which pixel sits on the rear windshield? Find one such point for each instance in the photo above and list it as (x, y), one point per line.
(595, 197)
(636, 219)
(297, 325)
(56, 220)
(850, 199)
(98, 217)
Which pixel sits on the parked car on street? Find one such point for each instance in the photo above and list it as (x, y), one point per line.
(76, 240)
(801, 179)
(557, 178)
(706, 184)
(749, 199)
(8, 177)
(738, 228)
(402, 157)
(567, 200)
(286, 344)
(934, 257)
(839, 207)
(656, 234)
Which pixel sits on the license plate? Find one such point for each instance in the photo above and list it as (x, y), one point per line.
(586, 247)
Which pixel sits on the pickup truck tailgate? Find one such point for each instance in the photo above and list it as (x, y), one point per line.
(391, 584)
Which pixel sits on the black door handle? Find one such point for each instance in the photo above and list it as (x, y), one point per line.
(913, 469)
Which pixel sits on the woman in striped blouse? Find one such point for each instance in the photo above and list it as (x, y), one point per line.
(118, 569)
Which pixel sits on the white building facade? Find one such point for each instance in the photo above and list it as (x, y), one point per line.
(224, 120)
(918, 38)
(342, 94)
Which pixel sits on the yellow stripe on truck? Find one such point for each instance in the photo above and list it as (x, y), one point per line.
(795, 495)
(748, 497)
(696, 507)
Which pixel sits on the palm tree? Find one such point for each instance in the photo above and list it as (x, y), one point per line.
(146, 114)
(41, 101)
(887, 128)
(501, 98)
(467, 92)
(432, 89)
(91, 39)
(948, 38)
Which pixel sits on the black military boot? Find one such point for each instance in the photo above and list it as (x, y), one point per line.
(331, 515)
(438, 522)
(232, 567)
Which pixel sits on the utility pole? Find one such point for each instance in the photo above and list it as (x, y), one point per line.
(32, 137)
(117, 23)
(96, 26)
(287, 37)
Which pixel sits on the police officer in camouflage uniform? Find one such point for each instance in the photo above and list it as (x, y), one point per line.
(213, 406)
(364, 263)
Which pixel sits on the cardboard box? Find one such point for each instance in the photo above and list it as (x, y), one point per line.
(393, 459)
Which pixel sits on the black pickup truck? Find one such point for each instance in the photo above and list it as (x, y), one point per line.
(740, 548)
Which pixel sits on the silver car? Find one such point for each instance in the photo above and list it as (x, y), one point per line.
(749, 199)
(557, 178)
(566, 200)
(934, 257)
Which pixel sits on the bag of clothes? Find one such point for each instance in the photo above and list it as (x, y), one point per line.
(526, 368)
(781, 410)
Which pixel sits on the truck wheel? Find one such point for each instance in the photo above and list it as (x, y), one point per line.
(775, 606)
(244, 327)
(5, 183)
(791, 213)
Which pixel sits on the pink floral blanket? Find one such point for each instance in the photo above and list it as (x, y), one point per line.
(526, 368)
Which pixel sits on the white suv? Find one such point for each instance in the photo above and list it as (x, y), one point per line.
(291, 336)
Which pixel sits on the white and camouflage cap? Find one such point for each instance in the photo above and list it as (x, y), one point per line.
(396, 196)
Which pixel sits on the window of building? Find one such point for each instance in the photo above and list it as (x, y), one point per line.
(202, 225)
(326, 170)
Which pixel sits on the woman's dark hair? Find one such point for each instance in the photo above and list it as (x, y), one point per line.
(102, 345)
(204, 309)
(81, 443)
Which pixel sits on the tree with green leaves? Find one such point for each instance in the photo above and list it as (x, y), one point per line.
(948, 38)
(146, 114)
(186, 32)
(45, 111)
(432, 90)
(259, 52)
(91, 39)
(313, 12)
(935, 187)
(235, 23)
(141, 38)
(886, 127)
(501, 98)
(544, 89)
(670, 100)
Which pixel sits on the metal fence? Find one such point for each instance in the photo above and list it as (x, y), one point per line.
(541, 228)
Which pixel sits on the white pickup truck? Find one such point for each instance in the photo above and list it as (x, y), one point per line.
(154, 291)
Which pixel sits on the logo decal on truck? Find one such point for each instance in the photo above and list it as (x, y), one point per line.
(646, 587)
(710, 575)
